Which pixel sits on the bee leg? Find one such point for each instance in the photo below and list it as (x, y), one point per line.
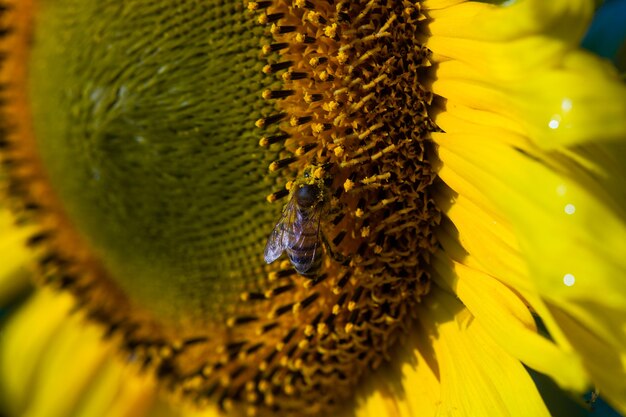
(337, 257)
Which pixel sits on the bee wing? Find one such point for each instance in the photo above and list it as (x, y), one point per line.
(307, 239)
(279, 238)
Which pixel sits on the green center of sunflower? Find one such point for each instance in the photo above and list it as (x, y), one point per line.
(147, 120)
(154, 158)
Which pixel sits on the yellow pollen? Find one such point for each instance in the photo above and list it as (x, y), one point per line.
(264, 385)
(330, 106)
(313, 17)
(227, 404)
(322, 329)
(318, 173)
(342, 57)
(331, 31)
(317, 127)
(166, 352)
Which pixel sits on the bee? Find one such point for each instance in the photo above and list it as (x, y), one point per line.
(298, 229)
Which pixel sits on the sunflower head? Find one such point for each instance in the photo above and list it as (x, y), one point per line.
(258, 200)
(187, 128)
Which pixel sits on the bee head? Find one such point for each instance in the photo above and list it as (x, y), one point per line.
(308, 195)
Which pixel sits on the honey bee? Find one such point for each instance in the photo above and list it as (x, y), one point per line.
(298, 229)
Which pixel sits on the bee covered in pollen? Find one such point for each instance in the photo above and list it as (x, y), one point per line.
(298, 230)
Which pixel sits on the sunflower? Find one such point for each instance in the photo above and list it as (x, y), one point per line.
(445, 178)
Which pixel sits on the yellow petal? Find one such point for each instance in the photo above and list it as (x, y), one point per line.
(100, 393)
(380, 402)
(565, 19)
(505, 317)
(521, 62)
(609, 169)
(468, 239)
(482, 231)
(409, 387)
(597, 166)
(462, 85)
(71, 360)
(478, 377)
(459, 118)
(53, 363)
(14, 258)
(440, 4)
(24, 340)
(499, 61)
(582, 100)
(564, 229)
(117, 391)
(605, 363)
(573, 241)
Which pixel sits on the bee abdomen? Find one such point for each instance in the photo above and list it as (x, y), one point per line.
(306, 268)
(306, 260)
